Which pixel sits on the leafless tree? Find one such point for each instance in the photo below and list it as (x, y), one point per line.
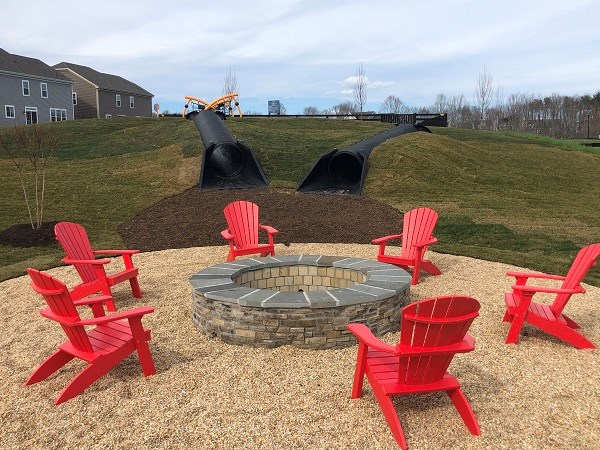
(345, 108)
(553, 115)
(311, 111)
(441, 104)
(393, 104)
(360, 88)
(483, 92)
(455, 109)
(30, 147)
(230, 85)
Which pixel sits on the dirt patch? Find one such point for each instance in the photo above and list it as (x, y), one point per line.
(195, 218)
(22, 235)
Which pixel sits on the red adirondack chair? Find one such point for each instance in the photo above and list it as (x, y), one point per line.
(74, 240)
(520, 308)
(417, 234)
(242, 231)
(111, 341)
(431, 332)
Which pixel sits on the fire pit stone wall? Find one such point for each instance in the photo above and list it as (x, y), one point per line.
(300, 300)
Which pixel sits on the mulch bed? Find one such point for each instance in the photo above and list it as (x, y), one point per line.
(24, 236)
(195, 218)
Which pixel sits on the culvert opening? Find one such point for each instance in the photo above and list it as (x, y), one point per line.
(345, 169)
(227, 161)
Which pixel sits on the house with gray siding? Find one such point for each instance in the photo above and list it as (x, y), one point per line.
(102, 95)
(32, 92)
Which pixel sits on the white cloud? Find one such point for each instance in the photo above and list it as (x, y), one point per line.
(301, 49)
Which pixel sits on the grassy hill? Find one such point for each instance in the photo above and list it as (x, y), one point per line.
(515, 198)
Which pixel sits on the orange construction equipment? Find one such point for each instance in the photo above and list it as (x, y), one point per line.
(224, 101)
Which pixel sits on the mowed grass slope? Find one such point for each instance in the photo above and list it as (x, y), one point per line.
(501, 197)
(106, 171)
(514, 198)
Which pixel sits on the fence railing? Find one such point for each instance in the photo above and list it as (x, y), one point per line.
(436, 120)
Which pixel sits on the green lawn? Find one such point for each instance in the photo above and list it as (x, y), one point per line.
(511, 197)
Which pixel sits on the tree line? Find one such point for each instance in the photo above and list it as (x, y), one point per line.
(555, 115)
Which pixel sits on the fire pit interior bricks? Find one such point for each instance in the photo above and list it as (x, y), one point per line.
(300, 300)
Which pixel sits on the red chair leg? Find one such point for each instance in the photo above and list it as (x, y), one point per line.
(571, 323)
(515, 329)
(82, 381)
(359, 370)
(135, 287)
(389, 412)
(464, 409)
(566, 334)
(430, 267)
(141, 338)
(54, 362)
(508, 317)
(415, 276)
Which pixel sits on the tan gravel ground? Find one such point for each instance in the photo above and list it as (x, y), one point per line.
(540, 393)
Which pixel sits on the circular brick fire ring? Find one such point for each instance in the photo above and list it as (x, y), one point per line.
(300, 300)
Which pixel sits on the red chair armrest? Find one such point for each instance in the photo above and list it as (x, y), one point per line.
(137, 312)
(116, 252)
(85, 261)
(547, 290)
(92, 300)
(364, 335)
(426, 243)
(535, 275)
(227, 235)
(268, 229)
(383, 239)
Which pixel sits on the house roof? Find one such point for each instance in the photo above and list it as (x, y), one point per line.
(23, 65)
(104, 81)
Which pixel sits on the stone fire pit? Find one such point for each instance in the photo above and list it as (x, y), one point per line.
(301, 300)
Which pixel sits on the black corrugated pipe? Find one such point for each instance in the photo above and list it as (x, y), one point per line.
(227, 162)
(343, 171)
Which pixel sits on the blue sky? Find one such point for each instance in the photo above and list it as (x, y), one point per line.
(305, 53)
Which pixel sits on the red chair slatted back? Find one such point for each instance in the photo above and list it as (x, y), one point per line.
(242, 221)
(60, 303)
(417, 226)
(584, 261)
(435, 322)
(74, 241)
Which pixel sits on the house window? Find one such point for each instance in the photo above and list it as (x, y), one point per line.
(9, 111)
(44, 89)
(31, 115)
(75, 98)
(25, 84)
(131, 101)
(118, 100)
(58, 114)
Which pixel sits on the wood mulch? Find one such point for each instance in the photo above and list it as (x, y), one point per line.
(24, 235)
(195, 218)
